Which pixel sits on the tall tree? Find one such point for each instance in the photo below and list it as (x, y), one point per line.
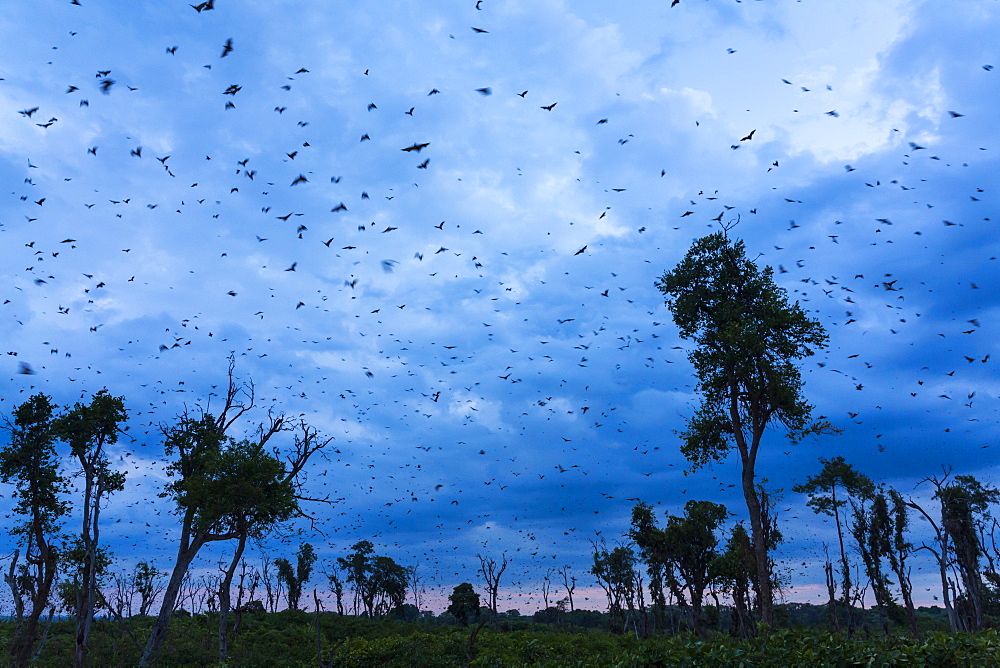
(389, 582)
(88, 429)
(748, 336)
(226, 489)
(30, 463)
(964, 504)
(898, 551)
(870, 514)
(837, 476)
(357, 566)
(337, 586)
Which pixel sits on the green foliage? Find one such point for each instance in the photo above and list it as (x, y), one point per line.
(72, 561)
(835, 474)
(87, 428)
(464, 603)
(747, 337)
(226, 485)
(30, 463)
(288, 638)
(379, 582)
(617, 574)
(683, 553)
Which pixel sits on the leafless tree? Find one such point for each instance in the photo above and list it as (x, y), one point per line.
(546, 588)
(569, 583)
(492, 571)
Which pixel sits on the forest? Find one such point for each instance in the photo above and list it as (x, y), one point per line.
(688, 588)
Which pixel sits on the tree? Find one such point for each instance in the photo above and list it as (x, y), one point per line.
(684, 551)
(337, 586)
(88, 428)
(295, 577)
(72, 563)
(379, 582)
(464, 603)
(546, 588)
(492, 571)
(225, 489)
(735, 570)
(569, 584)
(356, 565)
(964, 504)
(617, 575)
(415, 583)
(898, 550)
(964, 508)
(822, 489)
(747, 338)
(870, 512)
(388, 584)
(30, 463)
(148, 583)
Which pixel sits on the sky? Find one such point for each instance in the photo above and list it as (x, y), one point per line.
(475, 321)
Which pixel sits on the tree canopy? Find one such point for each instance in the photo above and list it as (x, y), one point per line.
(747, 338)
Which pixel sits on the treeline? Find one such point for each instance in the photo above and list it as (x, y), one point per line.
(223, 487)
(660, 576)
(552, 637)
(242, 489)
(690, 573)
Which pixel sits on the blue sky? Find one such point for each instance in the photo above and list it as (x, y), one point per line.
(442, 324)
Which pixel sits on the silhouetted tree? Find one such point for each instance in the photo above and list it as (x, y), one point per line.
(964, 504)
(898, 550)
(295, 576)
(838, 476)
(685, 550)
(337, 585)
(492, 570)
(464, 603)
(569, 584)
(871, 533)
(88, 428)
(747, 337)
(29, 462)
(226, 489)
(617, 575)
(379, 582)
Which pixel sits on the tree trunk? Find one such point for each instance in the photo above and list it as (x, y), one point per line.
(46, 562)
(831, 588)
(758, 536)
(90, 535)
(225, 597)
(845, 567)
(759, 539)
(185, 555)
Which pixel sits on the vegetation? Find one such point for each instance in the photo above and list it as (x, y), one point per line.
(747, 338)
(290, 637)
(680, 589)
